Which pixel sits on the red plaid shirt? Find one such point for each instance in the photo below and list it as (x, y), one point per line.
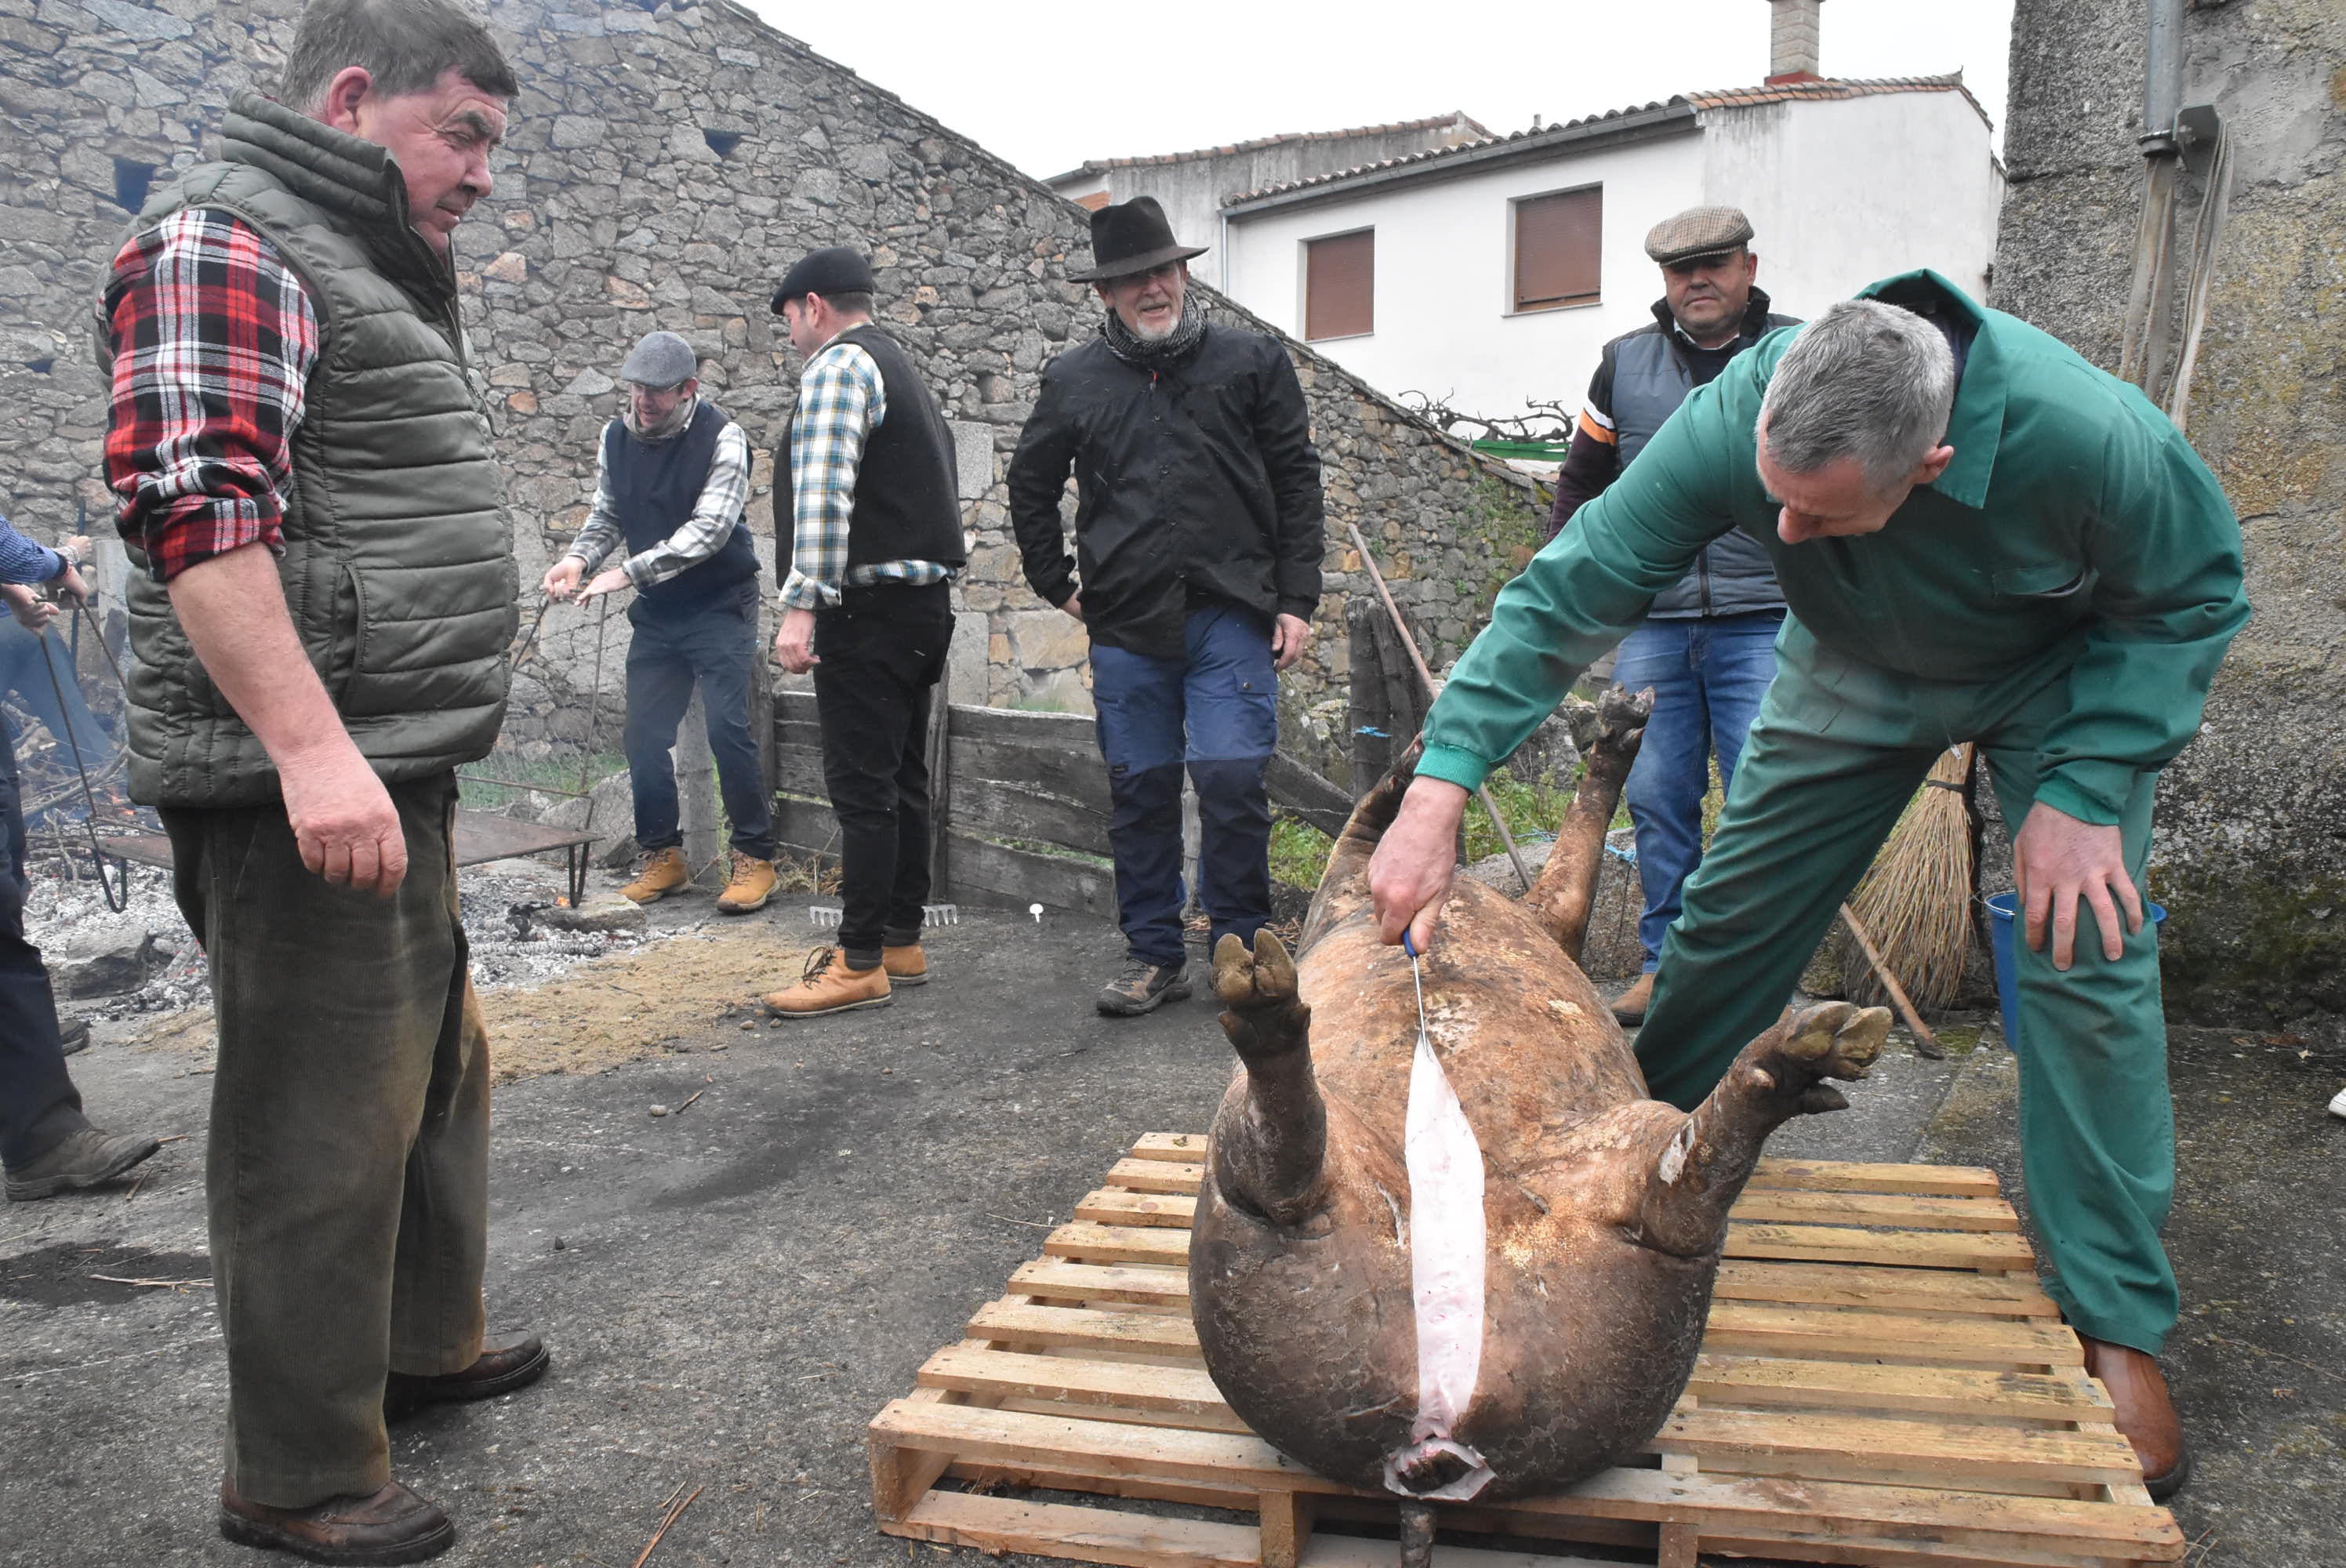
(213, 341)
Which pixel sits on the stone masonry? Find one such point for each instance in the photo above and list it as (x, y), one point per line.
(666, 163)
(2251, 857)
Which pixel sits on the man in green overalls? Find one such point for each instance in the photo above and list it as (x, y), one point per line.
(1981, 538)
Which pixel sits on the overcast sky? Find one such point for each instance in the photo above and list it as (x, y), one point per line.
(1048, 86)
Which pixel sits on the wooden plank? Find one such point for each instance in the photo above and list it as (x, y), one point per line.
(1305, 794)
(1157, 1176)
(1079, 777)
(1059, 731)
(1162, 1245)
(1902, 1211)
(1842, 1176)
(1852, 1334)
(973, 1432)
(1906, 1250)
(981, 869)
(1005, 1524)
(1053, 1281)
(1009, 1322)
(1287, 1520)
(805, 826)
(1882, 1290)
(1799, 1442)
(1016, 1375)
(798, 771)
(984, 807)
(1186, 1147)
(1112, 1205)
(1744, 1380)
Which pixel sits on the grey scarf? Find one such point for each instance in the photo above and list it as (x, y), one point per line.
(677, 418)
(1156, 354)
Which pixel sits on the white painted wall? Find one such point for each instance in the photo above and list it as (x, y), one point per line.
(1843, 193)
(1840, 193)
(1445, 325)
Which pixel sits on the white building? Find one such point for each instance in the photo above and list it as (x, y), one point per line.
(1489, 275)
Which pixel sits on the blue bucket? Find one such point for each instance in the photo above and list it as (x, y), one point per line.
(2001, 911)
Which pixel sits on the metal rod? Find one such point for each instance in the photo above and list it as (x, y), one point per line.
(1482, 792)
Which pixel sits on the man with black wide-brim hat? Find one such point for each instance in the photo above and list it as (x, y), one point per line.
(1197, 571)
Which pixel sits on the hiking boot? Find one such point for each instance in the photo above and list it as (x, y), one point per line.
(81, 1159)
(908, 966)
(393, 1525)
(1629, 1007)
(664, 872)
(1143, 987)
(73, 1036)
(827, 985)
(752, 884)
(508, 1361)
(2145, 1414)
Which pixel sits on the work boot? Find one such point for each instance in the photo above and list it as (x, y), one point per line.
(1629, 1007)
(81, 1159)
(2145, 1414)
(663, 873)
(1143, 987)
(827, 985)
(908, 966)
(393, 1525)
(752, 884)
(508, 1361)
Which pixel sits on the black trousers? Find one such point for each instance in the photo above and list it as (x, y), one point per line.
(882, 651)
(38, 1106)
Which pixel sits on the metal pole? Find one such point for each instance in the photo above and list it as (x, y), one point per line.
(1482, 792)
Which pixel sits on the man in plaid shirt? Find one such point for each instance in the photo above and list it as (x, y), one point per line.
(867, 515)
(321, 620)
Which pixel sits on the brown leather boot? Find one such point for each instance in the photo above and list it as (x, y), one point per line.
(749, 886)
(664, 872)
(2145, 1414)
(393, 1525)
(1630, 1006)
(827, 985)
(906, 965)
(509, 1361)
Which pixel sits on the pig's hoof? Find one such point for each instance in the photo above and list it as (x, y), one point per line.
(1834, 1040)
(1253, 982)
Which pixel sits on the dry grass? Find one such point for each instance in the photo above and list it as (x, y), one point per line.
(1916, 901)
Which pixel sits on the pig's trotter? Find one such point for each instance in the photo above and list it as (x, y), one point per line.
(1270, 1158)
(1417, 1535)
(1266, 1017)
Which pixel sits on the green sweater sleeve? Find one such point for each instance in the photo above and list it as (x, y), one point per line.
(1590, 586)
(2168, 600)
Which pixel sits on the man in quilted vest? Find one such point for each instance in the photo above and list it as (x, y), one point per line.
(320, 619)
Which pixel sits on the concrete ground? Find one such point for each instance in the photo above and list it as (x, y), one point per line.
(732, 1290)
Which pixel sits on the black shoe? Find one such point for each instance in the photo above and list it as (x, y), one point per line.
(83, 1159)
(1143, 987)
(73, 1035)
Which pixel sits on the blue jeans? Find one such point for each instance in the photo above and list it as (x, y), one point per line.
(1217, 710)
(1708, 675)
(38, 1107)
(671, 648)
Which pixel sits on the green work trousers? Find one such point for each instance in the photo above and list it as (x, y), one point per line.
(347, 1179)
(1837, 751)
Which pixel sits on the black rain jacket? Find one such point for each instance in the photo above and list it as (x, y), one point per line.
(1196, 481)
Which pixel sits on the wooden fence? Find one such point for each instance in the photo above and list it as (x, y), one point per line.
(1020, 803)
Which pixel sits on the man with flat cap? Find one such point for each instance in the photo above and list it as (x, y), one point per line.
(671, 478)
(867, 530)
(1197, 570)
(1707, 644)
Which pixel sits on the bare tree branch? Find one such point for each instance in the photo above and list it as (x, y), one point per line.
(1544, 419)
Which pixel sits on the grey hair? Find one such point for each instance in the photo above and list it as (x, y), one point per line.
(404, 45)
(1864, 381)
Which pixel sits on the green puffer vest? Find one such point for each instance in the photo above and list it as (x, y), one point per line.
(398, 565)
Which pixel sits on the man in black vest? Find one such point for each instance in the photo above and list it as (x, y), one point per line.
(867, 524)
(1198, 532)
(672, 474)
(1708, 647)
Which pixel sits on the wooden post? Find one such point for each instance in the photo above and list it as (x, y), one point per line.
(939, 746)
(696, 788)
(1370, 706)
(1287, 1520)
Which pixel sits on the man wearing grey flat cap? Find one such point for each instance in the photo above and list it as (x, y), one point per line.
(1708, 647)
(671, 477)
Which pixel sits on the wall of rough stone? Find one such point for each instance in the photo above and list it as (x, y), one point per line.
(665, 164)
(2251, 859)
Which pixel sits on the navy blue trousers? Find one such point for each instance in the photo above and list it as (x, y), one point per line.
(711, 644)
(38, 1104)
(1215, 708)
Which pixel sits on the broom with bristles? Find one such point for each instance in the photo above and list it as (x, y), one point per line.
(1916, 902)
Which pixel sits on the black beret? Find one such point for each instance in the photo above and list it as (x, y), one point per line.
(836, 269)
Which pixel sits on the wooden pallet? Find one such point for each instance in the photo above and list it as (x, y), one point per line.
(1882, 1383)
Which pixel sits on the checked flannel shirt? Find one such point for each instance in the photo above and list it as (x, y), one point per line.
(723, 495)
(214, 339)
(842, 401)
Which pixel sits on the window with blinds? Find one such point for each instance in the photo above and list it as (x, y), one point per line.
(1558, 238)
(1340, 285)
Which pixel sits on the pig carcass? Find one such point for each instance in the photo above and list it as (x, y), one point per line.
(1481, 1269)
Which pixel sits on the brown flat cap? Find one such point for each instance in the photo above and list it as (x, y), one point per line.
(1698, 231)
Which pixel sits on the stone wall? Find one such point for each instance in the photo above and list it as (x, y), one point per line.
(665, 164)
(2251, 859)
